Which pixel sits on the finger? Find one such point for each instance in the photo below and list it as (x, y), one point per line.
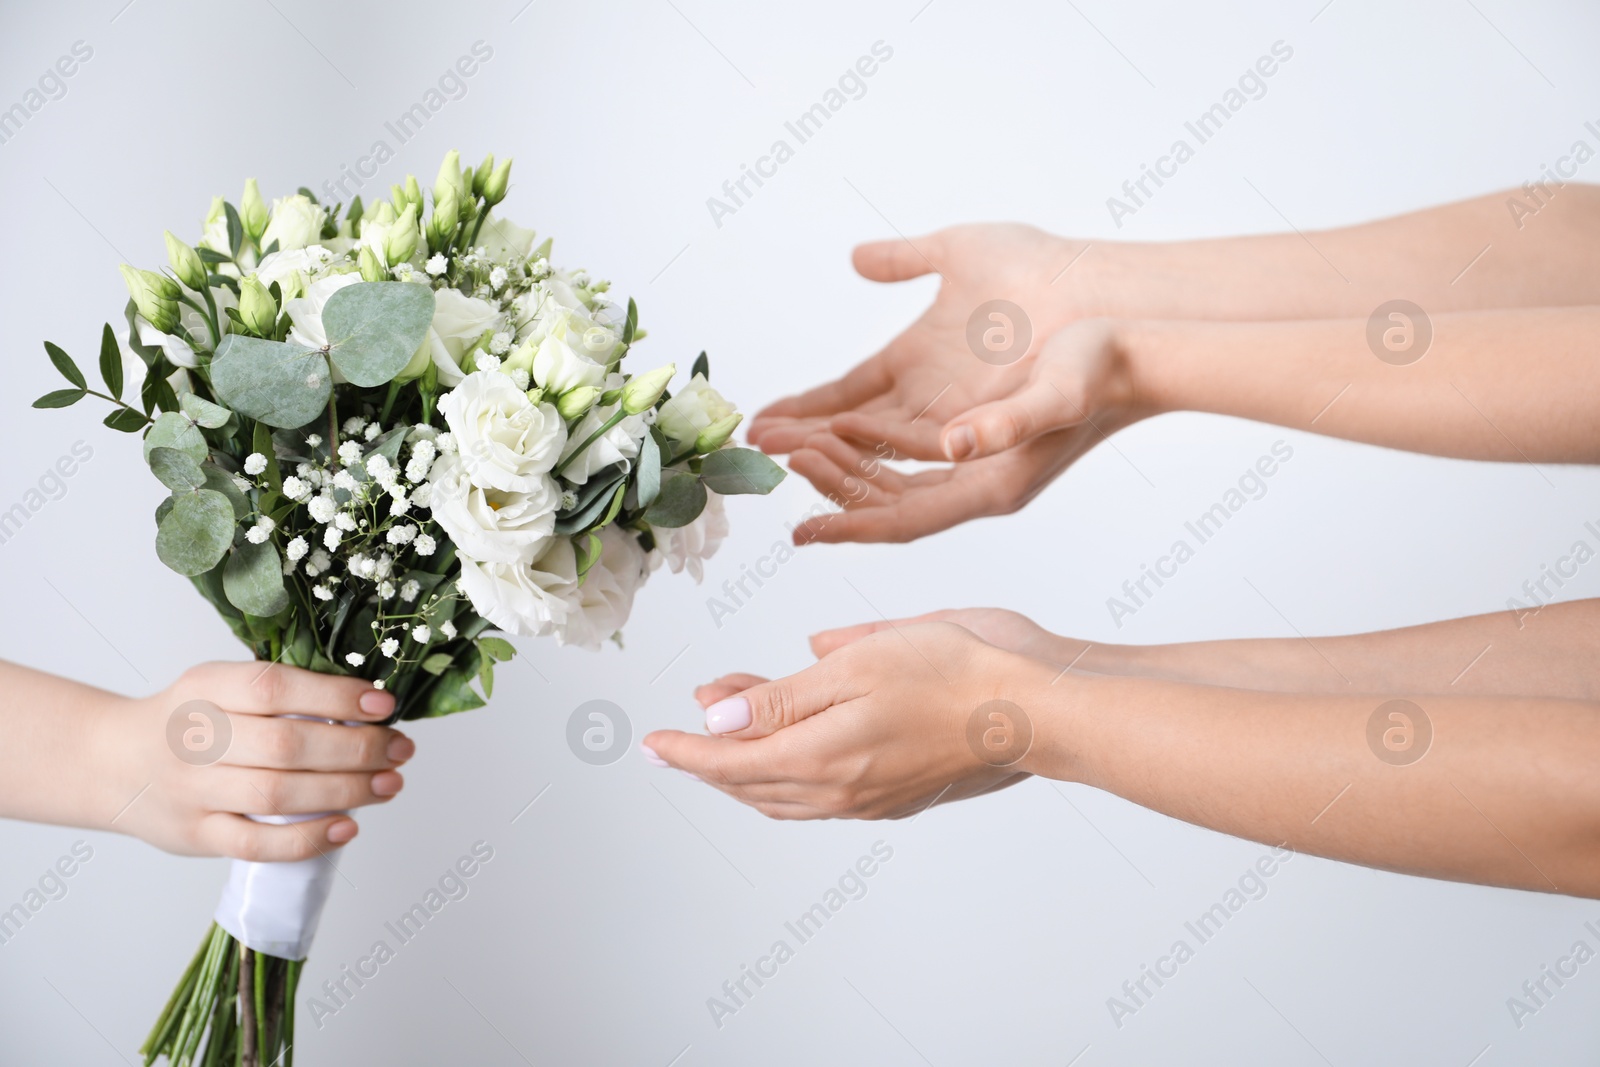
(895, 261)
(871, 466)
(1038, 408)
(276, 689)
(726, 686)
(239, 838)
(778, 435)
(715, 760)
(296, 744)
(862, 383)
(914, 439)
(250, 791)
(834, 482)
(914, 514)
(771, 706)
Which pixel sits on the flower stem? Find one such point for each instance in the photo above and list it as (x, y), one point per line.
(581, 449)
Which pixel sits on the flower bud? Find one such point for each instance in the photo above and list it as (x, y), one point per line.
(494, 186)
(253, 211)
(421, 360)
(292, 287)
(520, 358)
(481, 175)
(716, 435)
(450, 177)
(401, 240)
(155, 297)
(371, 269)
(446, 215)
(185, 262)
(257, 308)
(383, 215)
(413, 193)
(574, 402)
(217, 210)
(643, 390)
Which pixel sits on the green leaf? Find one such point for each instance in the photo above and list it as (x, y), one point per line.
(375, 328)
(253, 579)
(261, 441)
(128, 420)
(730, 471)
(208, 255)
(589, 551)
(222, 482)
(60, 398)
(680, 502)
(616, 506)
(497, 648)
(235, 229)
(111, 362)
(64, 364)
(438, 663)
(630, 326)
(148, 353)
(702, 367)
(590, 507)
(649, 481)
(453, 692)
(172, 430)
(196, 532)
(177, 470)
(272, 382)
(203, 412)
(486, 676)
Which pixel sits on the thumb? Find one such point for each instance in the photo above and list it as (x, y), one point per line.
(892, 261)
(769, 707)
(1036, 409)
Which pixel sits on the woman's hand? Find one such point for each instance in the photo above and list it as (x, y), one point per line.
(913, 716)
(186, 787)
(1009, 444)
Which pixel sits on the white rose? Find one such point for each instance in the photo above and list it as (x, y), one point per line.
(529, 600)
(505, 441)
(599, 607)
(279, 266)
(458, 321)
(619, 444)
(305, 312)
(688, 547)
(296, 222)
(489, 526)
(691, 410)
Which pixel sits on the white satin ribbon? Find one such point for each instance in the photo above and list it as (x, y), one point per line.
(275, 907)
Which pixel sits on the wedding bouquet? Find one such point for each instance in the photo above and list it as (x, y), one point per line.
(387, 432)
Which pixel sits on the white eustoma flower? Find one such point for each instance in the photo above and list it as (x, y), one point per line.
(503, 239)
(688, 547)
(458, 321)
(559, 366)
(491, 526)
(692, 409)
(598, 608)
(296, 222)
(305, 312)
(529, 600)
(280, 266)
(503, 439)
(620, 444)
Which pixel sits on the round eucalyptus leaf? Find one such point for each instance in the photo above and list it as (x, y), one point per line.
(222, 482)
(204, 412)
(253, 579)
(279, 384)
(740, 470)
(172, 430)
(681, 500)
(176, 470)
(374, 328)
(196, 532)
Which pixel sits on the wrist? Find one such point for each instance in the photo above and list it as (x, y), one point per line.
(1042, 693)
(109, 760)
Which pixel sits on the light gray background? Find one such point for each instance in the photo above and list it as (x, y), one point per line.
(625, 896)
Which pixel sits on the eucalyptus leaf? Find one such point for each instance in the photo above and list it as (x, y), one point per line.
(680, 502)
(177, 470)
(730, 471)
(111, 362)
(222, 482)
(648, 484)
(273, 382)
(172, 430)
(374, 328)
(197, 531)
(587, 512)
(253, 579)
(203, 412)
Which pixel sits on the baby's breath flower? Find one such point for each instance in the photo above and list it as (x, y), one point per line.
(385, 590)
(322, 509)
(488, 362)
(409, 591)
(400, 505)
(320, 559)
(500, 343)
(255, 463)
(295, 489)
(382, 565)
(330, 538)
(401, 535)
(350, 452)
(421, 633)
(345, 521)
(373, 430)
(296, 549)
(353, 425)
(378, 466)
(313, 440)
(447, 443)
(424, 545)
(346, 481)
(258, 534)
(437, 265)
(321, 592)
(389, 647)
(519, 378)
(448, 629)
(422, 495)
(241, 484)
(355, 659)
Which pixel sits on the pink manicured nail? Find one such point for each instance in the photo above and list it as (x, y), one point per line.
(377, 703)
(342, 831)
(960, 443)
(650, 755)
(726, 716)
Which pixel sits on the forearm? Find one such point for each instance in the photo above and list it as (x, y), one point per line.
(1548, 652)
(49, 759)
(1480, 253)
(1505, 793)
(1513, 386)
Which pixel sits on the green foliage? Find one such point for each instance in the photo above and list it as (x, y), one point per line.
(172, 430)
(177, 470)
(63, 363)
(731, 471)
(253, 579)
(197, 531)
(204, 412)
(271, 381)
(111, 362)
(374, 328)
(680, 502)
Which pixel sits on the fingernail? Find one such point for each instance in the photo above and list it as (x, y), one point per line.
(651, 757)
(726, 716)
(377, 703)
(401, 748)
(387, 783)
(342, 831)
(691, 774)
(960, 443)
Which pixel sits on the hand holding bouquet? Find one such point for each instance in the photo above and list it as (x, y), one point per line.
(387, 432)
